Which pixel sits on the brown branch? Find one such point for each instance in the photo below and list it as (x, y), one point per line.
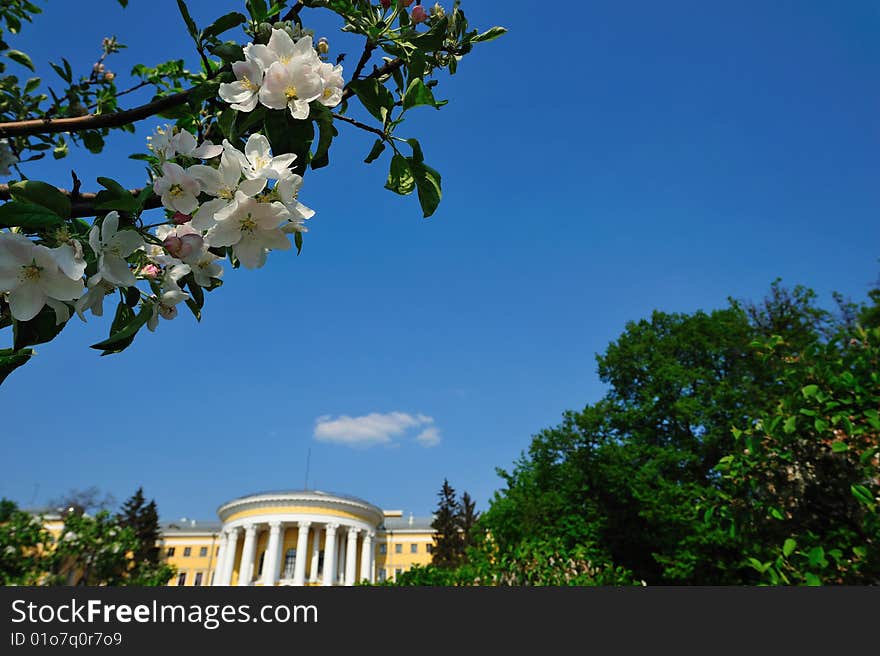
(362, 126)
(93, 121)
(83, 204)
(293, 13)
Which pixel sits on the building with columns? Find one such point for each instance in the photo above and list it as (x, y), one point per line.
(304, 537)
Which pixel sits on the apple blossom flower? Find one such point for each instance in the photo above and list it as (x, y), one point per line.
(149, 271)
(93, 299)
(243, 94)
(31, 276)
(333, 82)
(69, 257)
(225, 180)
(293, 85)
(257, 161)
(252, 230)
(287, 190)
(178, 190)
(168, 142)
(112, 246)
(205, 267)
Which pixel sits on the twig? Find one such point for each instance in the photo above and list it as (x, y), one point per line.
(362, 126)
(83, 204)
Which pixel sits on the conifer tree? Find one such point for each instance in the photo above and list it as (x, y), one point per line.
(143, 518)
(447, 536)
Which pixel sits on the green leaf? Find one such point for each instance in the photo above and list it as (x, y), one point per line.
(31, 84)
(290, 135)
(375, 98)
(820, 425)
(93, 141)
(400, 176)
(21, 58)
(229, 52)
(11, 359)
(862, 494)
(428, 185)
(812, 579)
(434, 38)
(790, 424)
(788, 547)
(39, 330)
(489, 35)
(809, 390)
(190, 23)
(224, 23)
(298, 241)
(42, 194)
(326, 131)
(124, 328)
(419, 94)
(377, 149)
(117, 197)
(839, 447)
(124, 3)
(28, 216)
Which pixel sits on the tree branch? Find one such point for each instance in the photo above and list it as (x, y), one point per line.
(362, 126)
(83, 204)
(93, 121)
(385, 69)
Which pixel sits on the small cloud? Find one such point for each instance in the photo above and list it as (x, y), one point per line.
(373, 429)
(429, 437)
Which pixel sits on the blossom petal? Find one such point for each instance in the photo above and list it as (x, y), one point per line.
(26, 301)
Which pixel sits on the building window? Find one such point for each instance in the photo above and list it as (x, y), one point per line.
(429, 548)
(414, 548)
(170, 552)
(382, 574)
(398, 548)
(187, 552)
(181, 578)
(203, 552)
(198, 580)
(289, 562)
(383, 549)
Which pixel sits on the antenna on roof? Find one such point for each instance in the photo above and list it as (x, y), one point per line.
(308, 461)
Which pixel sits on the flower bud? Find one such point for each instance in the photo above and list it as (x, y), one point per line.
(385, 3)
(437, 11)
(180, 218)
(109, 76)
(419, 15)
(323, 46)
(150, 271)
(190, 244)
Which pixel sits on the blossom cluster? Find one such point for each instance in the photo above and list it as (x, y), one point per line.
(216, 196)
(283, 74)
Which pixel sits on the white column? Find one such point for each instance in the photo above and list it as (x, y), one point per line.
(328, 576)
(270, 563)
(351, 556)
(367, 557)
(340, 561)
(316, 554)
(218, 564)
(302, 552)
(246, 570)
(229, 557)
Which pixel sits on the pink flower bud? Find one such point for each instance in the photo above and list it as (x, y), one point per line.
(385, 3)
(419, 15)
(180, 218)
(173, 246)
(150, 271)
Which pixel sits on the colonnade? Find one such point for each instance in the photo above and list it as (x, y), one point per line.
(338, 543)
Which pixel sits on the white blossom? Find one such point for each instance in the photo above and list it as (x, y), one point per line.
(252, 230)
(178, 190)
(257, 160)
(31, 276)
(243, 94)
(112, 246)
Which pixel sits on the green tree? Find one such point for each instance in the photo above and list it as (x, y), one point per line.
(446, 525)
(143, 519)
(25, 547)
(467, 519)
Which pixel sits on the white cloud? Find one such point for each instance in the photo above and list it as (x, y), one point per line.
(429, 437)
(374, 428)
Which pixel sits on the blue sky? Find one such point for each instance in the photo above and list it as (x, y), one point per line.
(601, 160)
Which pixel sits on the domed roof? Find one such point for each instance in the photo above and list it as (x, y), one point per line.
(316, 499)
